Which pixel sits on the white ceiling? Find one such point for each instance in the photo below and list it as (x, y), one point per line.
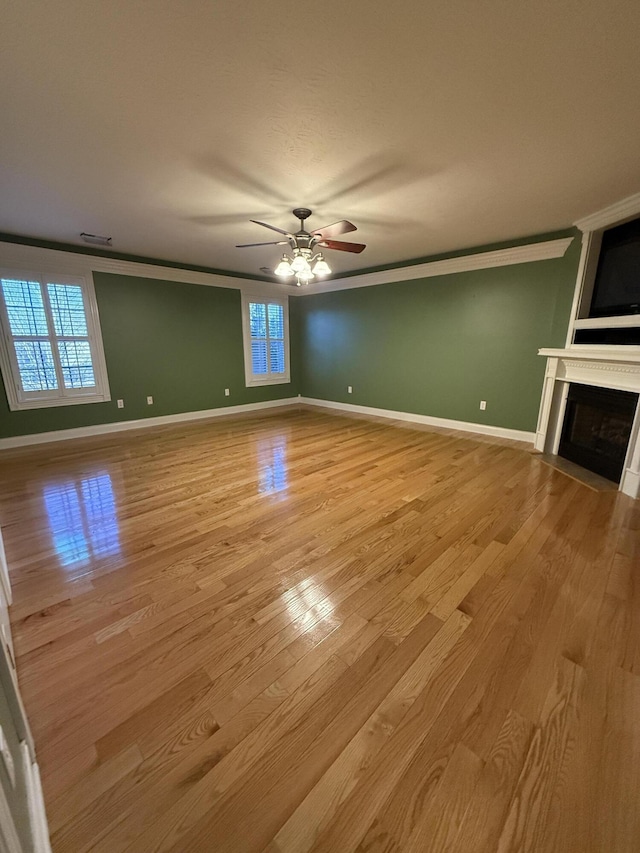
(432, 126)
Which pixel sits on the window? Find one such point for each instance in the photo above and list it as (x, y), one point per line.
(51, 350)
(266, 340)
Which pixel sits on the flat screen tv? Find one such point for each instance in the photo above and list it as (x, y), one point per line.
(617, 284)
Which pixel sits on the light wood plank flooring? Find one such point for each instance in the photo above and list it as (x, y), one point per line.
(306, 632)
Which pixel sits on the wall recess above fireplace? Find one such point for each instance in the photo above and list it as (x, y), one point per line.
(606, 307)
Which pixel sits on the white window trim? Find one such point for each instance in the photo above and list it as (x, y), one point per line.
(8, 364)
(252, 380)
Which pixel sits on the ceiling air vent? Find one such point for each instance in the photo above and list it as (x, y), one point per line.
(95, 239)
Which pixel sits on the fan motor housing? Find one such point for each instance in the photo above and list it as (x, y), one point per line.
(301, 213)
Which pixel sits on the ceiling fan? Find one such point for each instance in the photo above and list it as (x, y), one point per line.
(304, 244)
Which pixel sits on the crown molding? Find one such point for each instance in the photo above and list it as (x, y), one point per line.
(612, 215)
(37, 257)
(466, 263)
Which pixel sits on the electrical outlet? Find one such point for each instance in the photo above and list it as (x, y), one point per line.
(226, 392)
(149, 400)
(483, 404)
(120, 404)
(349, 389)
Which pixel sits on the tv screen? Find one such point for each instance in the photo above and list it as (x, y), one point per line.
(617, 284)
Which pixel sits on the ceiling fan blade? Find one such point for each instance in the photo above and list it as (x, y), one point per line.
(272, 227)
(335, 230)
(274, 243)
(341, 246)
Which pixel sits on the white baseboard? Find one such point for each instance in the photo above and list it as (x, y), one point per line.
(630, 483)
(120, 426)
(465, 426)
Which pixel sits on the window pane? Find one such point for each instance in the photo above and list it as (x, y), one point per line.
(258, 319)
(276, 321)
(276, 356)
(24, 307)
(77, 367)
(259, 356)
(67, 307)
(35, 362)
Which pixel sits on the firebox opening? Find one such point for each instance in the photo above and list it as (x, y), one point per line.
(597, 427)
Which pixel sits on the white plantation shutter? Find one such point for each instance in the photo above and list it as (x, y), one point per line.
(275, 315)
(266, 344)
(258, 328)
(259, 358)
(51, 351)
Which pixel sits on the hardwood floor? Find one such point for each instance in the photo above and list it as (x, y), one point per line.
(307, 632)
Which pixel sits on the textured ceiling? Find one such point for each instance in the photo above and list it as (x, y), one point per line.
(432, 126)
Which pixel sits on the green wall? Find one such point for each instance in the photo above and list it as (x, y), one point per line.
(179, 343)
(437, 346)
(433, 346)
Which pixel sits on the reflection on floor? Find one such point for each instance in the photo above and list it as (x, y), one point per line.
(83, 520)
(271, 455)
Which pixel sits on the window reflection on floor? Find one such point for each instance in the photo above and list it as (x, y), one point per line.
(272, 465)
(83, 520)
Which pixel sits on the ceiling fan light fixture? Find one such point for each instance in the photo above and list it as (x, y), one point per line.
(300, 264)
(284, 268)
(303, 260)
(321, 267)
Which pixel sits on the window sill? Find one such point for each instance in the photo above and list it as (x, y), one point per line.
(257, 383)
(27, 405)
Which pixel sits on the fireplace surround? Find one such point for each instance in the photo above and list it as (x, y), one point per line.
(608, 369)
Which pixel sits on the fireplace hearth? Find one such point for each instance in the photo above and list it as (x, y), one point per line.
(597, 427)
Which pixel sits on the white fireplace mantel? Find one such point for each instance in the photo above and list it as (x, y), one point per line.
(604, 368)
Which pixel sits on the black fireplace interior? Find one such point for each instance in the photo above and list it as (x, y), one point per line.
(597, 427)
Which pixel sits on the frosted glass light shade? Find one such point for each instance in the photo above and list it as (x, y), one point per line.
(284, 268)
(322, 267)
(300, 264)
